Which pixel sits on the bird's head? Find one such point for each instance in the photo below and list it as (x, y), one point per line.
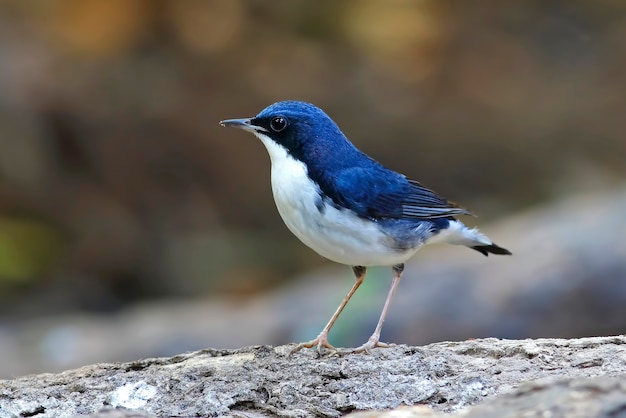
(303, 130)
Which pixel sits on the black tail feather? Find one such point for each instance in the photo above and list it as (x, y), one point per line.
(493, 249)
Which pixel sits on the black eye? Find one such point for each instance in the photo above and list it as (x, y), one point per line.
(278, 123)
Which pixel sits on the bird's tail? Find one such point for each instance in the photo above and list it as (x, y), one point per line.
(491, 249)
(459, 234)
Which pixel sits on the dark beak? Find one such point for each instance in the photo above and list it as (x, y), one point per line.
(245, 124)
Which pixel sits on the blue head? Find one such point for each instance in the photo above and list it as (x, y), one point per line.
(303, 130)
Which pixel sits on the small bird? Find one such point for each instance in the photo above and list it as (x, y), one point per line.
(348, 207)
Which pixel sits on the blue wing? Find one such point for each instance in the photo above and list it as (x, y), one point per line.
(377, 192)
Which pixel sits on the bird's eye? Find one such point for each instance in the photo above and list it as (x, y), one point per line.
(278, 123)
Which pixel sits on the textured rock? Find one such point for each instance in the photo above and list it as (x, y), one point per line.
(600, 397)
(265, 381)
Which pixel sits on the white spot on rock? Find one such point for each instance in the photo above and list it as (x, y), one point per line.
(132, 395)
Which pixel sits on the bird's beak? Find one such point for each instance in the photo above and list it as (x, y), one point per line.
(245, 124)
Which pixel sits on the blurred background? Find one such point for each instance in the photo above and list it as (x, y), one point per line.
(133, 225)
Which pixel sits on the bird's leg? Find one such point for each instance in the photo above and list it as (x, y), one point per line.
(322, 338)
(374, 340)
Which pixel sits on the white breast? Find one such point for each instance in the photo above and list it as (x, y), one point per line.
(336, 234)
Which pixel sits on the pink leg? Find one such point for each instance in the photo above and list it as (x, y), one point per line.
(322, 338)
(374, 340)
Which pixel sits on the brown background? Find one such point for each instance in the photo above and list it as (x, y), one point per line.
(117, 185)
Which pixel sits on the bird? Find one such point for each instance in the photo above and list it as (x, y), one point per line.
(348, 207)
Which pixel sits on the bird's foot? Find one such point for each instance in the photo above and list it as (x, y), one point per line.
(373, 342)
(320, 343)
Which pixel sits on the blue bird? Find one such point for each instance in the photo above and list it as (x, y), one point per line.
(348, 207)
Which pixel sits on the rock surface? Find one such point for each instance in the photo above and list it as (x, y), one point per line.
(445, 377)
(601, 397)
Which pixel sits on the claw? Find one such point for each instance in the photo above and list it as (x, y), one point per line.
(373, 342)
(320, 343)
